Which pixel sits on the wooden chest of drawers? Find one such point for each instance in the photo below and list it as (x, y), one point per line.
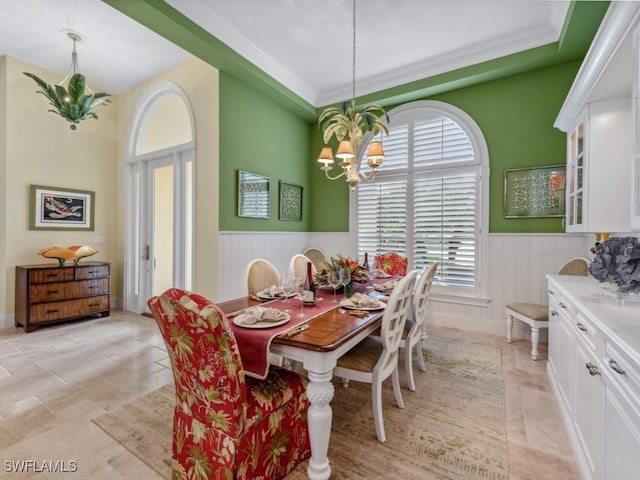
(50, 293)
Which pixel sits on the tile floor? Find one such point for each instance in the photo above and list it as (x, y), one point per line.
(55, 380)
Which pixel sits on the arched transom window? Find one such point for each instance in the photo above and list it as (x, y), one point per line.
(427, 200)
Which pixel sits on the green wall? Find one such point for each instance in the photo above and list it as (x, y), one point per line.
(260, 136)
(516, 116)
(267, 129)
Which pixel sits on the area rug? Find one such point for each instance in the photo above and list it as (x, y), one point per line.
(452, 427)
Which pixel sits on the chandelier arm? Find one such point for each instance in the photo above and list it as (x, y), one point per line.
(326, 172)
(369, 177)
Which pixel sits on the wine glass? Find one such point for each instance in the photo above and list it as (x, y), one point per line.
(299, 290)
(288, 288)
(334, 279)
(345, 279)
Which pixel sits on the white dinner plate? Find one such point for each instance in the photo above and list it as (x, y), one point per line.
(267, 296)
(350, 306)
(285, 318)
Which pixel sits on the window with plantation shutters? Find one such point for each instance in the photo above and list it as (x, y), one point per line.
(426, 201)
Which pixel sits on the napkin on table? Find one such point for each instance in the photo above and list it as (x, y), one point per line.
(260, 314)
(272, 291)
(360, 300)
(388, 286)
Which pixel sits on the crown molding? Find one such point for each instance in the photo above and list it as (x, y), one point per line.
(212, 22)
(483, 52)
(620, 19)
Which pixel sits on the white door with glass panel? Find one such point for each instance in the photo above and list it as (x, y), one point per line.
(166, 240)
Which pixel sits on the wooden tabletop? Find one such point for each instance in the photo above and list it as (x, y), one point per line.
(326, 332)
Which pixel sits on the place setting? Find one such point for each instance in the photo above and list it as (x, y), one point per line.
(386, 287)
(274, 292)
(261, 317)
(360, 304)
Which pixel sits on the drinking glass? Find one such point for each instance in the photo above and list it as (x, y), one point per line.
(334, 279)
(299, 290)
(345, 279)
(288, 288)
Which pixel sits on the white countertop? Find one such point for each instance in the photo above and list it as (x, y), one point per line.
(619, 321)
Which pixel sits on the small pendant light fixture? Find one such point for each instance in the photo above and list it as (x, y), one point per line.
(76, 101)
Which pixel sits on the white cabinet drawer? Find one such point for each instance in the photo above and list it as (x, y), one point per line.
(587, 331)
(623, 369)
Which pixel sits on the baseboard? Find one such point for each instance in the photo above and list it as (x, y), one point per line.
(522, 332)
(7, 321)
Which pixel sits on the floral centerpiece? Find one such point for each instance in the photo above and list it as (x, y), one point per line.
(617, 262)
(335, 264)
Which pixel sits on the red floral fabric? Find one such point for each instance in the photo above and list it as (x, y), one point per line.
(226, 426)
(391, 263)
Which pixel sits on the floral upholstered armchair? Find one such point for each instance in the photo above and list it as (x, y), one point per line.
(226, 425)
(391, 263)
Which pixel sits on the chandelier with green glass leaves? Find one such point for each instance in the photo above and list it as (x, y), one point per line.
(76, 101)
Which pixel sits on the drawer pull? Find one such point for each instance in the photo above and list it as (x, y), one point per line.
(53, 275)
(550, 292)
(593, 370)
(562, 305)
(554, 313)
(52, 292)
(581, 327)
(94, 304)
(92, 286)
(614, 366)
(52, 311)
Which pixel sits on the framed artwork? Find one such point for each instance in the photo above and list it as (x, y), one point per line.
(290, 201)
(55, 208)
(253, 195)
(534, 192)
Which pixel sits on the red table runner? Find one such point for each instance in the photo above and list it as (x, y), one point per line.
(254, 343)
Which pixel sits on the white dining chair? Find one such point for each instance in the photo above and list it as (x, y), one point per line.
(415, 328)
(317, 257)
(373, 361)
(298, 265)
(261, 274)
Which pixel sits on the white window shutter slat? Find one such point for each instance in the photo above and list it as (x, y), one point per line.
(431, 166)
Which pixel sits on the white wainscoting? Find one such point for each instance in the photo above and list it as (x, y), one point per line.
(518, 264)
(237, 249)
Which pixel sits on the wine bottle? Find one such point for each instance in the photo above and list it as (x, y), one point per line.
(366, 262)
(309, 294)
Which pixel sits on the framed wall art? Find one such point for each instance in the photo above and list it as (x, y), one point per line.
(253, 195)
(534, 192)
(53, 208)
(290, 201)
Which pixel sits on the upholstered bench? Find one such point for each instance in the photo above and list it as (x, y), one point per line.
(533, 314)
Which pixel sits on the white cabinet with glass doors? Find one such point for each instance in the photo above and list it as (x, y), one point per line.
(635, 160)
(598, 152)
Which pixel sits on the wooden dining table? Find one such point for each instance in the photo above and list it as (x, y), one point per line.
(328, 336)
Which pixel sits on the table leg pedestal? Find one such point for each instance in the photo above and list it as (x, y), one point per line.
(320, 394)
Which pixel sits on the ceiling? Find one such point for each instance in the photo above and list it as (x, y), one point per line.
(306, 45)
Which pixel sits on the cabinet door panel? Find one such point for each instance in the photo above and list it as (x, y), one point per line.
(564, 361)
(621, 436)
(587, 395)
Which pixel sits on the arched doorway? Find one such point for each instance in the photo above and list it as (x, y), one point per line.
(159, 246)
